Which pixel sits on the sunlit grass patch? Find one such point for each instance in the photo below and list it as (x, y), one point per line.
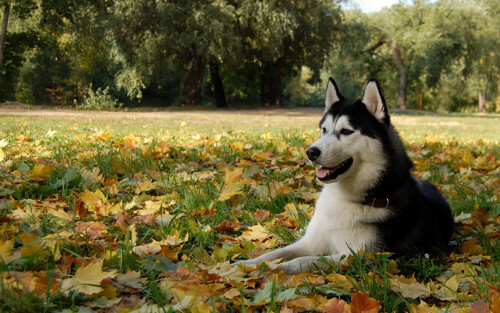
(166, 205)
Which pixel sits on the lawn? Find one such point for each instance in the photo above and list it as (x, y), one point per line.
(144, 211)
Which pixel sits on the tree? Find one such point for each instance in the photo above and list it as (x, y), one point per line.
(483, 57)
(284, 35)
(421, 40)
(190, 33)
(5, 22)
(17, 42)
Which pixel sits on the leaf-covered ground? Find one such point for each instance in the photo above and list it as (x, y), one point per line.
(135, 215)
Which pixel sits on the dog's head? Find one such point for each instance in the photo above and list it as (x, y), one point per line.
(352, 136)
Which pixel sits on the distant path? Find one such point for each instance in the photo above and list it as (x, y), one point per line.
(31, 110)
(21, 109)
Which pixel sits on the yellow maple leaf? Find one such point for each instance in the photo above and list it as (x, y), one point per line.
(255, 233)
(2, 155)
(423, 307)
(87, 279)
(233, 176)
(237, 147)
(6, 251)
(130, 140)
(230, 191)
(41, 172)
(28, 247)
(93, 200)
(103, 136)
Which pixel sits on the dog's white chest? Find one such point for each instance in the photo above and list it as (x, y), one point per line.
(339, 225)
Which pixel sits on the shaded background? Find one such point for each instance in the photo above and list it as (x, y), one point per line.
(432, 55)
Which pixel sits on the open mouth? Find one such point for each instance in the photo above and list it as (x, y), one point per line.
(331, 173)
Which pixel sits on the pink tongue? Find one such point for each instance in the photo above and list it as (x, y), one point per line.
(321, 172)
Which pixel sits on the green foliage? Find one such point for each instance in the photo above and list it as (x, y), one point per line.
(99, 100)
(142, 50)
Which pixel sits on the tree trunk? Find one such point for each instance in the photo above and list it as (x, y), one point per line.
(220, 96)
(270, 84)
(420, 98)
(482, 101)
(3, 34)
(191, 89)
(401, 101)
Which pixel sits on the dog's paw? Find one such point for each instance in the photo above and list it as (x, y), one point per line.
(250, 262)
(292, 267)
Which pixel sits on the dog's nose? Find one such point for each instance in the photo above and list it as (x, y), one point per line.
(313, 153)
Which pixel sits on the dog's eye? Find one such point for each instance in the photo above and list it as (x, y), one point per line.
(323, 130)
(346, 132)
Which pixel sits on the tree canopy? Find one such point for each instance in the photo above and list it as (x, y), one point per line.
(441, 55)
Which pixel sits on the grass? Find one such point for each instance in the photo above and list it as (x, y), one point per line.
(110, 183)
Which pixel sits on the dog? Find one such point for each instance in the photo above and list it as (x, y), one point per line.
(370, 200)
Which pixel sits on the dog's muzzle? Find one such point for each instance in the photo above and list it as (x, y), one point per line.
(313, 153)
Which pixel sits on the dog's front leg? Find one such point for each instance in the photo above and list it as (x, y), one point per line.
(307, 263)
(287, 253)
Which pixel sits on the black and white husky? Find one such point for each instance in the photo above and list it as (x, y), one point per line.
(370, 201)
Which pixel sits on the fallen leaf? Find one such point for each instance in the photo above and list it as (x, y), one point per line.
(256, 233)
(480, 307)
(92, 230)
(335, 305)
(6, 251)
(41, 172)
(230, 191)
(409, 287)
(362, 303)
(87, 279)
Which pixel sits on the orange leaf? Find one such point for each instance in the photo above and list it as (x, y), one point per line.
(362, 303)
(494, 298)
(335, 305)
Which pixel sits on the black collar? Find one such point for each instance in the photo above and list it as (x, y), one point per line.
(376, 202)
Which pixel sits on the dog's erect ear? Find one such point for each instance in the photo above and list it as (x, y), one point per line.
(332, 94)
(374, 101)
